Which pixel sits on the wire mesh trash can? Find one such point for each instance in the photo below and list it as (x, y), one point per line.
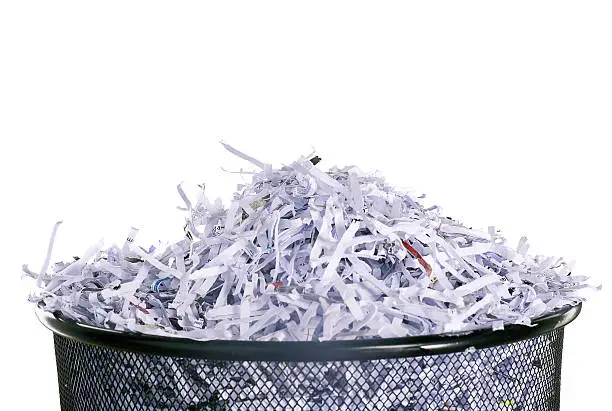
(518, 368)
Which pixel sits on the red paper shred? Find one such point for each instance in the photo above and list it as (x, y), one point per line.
(418, 256)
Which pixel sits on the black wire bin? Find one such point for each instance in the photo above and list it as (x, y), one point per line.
(518, 368)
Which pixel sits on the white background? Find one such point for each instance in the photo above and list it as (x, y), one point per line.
(500, 111)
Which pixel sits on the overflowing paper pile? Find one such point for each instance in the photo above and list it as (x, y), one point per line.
(304, 254)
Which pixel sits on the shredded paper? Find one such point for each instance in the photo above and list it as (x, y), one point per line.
(306, 255)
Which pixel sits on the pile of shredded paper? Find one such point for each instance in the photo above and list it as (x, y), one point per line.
(307, 255)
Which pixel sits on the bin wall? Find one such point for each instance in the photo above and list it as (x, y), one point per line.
(523, 376)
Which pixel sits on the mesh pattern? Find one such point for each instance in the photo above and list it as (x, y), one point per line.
(521, 376)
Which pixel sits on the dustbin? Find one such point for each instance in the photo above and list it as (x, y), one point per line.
(518, 368)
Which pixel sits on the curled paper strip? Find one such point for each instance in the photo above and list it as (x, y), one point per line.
(303, 254)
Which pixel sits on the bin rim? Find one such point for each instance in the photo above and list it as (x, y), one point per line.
(302, 351)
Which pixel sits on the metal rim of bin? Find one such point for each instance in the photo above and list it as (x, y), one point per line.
(336, 350)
